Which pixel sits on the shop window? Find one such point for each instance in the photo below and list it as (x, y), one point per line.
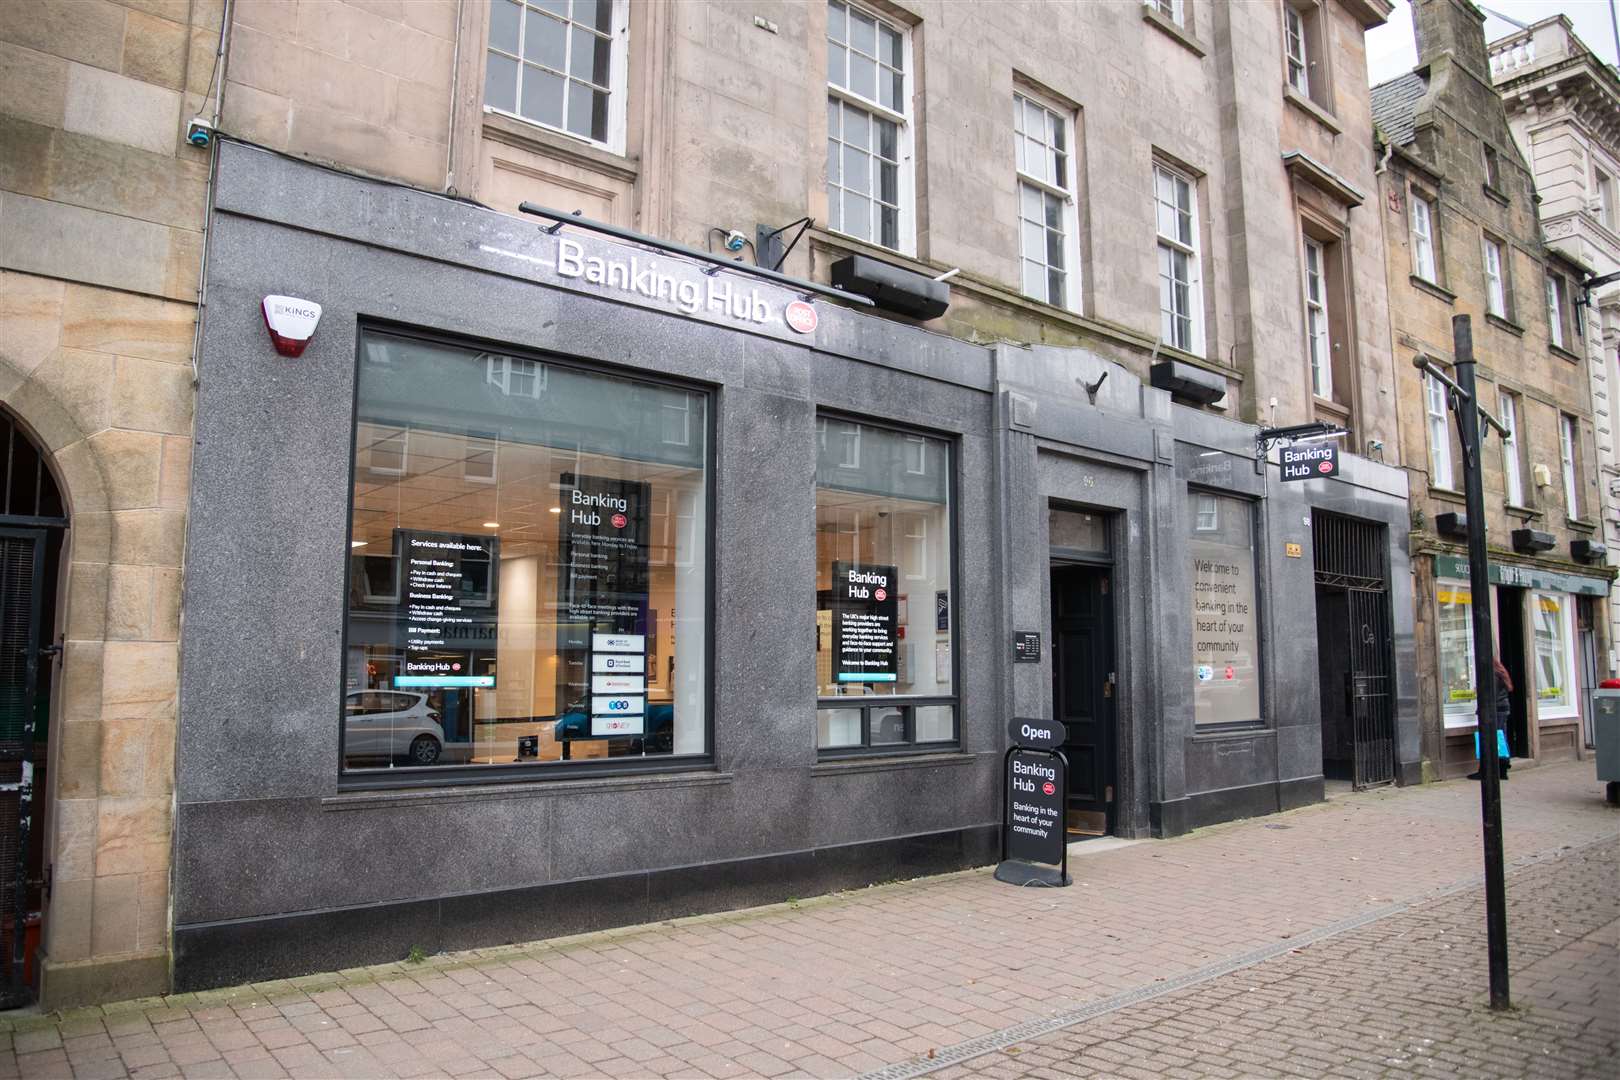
(532, 592)
(560, 64)
(884, 611)
(1514, 465)
(868, 127)
(1454, 630)
(1569, 455)
(1225, 612)
(1425, 264)
(1047, 219)
(1181, 302)
(1497, 291)
(1555, 656)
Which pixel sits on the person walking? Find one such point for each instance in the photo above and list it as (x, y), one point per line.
(1504, 714)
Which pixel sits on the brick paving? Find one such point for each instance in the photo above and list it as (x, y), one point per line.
(1403, 996)
(880, 978)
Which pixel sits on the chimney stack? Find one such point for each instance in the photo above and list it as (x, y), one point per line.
(1455, 28)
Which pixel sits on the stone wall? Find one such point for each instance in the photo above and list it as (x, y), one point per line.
(101, 217)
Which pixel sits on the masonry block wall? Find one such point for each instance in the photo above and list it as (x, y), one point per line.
(101, 218)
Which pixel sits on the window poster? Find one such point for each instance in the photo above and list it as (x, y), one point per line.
(603, 636)
(1226, 635)
(447, 610)
(865, 623)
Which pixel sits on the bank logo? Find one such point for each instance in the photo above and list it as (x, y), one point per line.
(620, 521)
(801, 317)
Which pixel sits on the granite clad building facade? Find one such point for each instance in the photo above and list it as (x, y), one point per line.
(1463, 237)
(552, 541)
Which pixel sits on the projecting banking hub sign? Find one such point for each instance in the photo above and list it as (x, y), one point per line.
(1309, 461)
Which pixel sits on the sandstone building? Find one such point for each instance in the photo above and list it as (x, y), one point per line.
(1563, 105)
(1461, 228)
(102, 208)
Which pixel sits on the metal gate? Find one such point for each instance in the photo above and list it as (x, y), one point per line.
(22, 570)
(1353, 556)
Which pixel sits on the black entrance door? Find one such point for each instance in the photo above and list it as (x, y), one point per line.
(1083, 690)
(22, 575)
(1354, 653)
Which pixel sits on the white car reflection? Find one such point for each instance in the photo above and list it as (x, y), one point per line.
(391, 724)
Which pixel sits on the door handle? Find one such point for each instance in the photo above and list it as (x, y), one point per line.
(51, 650)
(1108, 686)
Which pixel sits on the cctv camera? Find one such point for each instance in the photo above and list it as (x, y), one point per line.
(199, 132)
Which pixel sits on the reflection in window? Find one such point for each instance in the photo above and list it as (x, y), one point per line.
(883, 581)
(1209, 513)
(532, 589)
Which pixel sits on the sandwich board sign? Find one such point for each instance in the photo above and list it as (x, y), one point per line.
(1035, 783)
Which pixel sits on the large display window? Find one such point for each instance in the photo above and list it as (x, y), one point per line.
(1225, 612)
(1454, 628)
(528, 563)
(1552, 620)
(885, 611)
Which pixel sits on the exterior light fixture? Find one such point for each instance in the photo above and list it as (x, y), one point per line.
(492, 524)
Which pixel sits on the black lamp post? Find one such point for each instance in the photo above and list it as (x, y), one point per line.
(1462, 397)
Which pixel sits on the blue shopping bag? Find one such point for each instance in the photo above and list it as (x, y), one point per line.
(1501, 745)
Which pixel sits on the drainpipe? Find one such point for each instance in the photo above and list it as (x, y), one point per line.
(216, 88)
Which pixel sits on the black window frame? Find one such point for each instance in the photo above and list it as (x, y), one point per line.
(440, 776)
(908, 704)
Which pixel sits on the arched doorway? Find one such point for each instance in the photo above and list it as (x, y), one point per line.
(33, 522)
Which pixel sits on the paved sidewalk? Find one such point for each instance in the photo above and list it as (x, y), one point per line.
(880, 979)
(1404, 996)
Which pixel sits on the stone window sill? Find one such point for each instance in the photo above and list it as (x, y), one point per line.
(1179, 34)
(538, 140)
(1581, 524)
(1559, 350)
(525, 788)
(1524, 512)
(1497, 194)
(850, 765)
(1312, 109)
(1505, 324)
(1446, 494)
(1425, 285)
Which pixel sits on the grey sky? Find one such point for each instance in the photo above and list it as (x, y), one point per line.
(1391, 49)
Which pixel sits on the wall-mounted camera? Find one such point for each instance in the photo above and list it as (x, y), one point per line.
(199, 132)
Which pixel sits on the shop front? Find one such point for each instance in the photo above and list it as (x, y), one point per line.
(561, 584)
(1547, 628)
